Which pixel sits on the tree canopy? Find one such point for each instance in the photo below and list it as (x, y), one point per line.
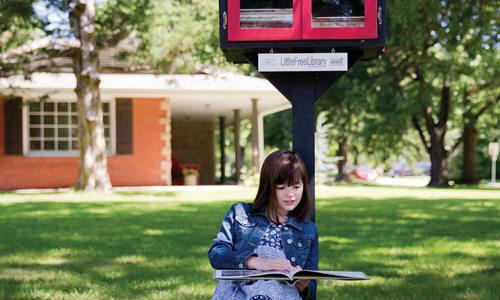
(438, 81)
(442, 69)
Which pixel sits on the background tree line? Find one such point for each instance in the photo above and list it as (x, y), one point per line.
(435, 91)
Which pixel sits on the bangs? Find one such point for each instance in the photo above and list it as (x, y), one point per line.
(281, 167)
(290, 172)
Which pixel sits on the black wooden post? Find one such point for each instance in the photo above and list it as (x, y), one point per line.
(303, 89)
(303, 125)
(237, 147)
(222, 136)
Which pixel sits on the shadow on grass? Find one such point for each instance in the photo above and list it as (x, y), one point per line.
(161, 194)
(413, 249)
(129, 250)
(420, 249)
(44, 194)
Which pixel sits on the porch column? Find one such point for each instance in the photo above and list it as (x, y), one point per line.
(237, 147)
(255, 137)
(166, 137)
(222, 138)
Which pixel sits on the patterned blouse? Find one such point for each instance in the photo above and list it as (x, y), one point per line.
(270, 246)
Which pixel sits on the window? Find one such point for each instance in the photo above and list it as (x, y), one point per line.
(266, 14)
(339, 19)
(52, 127)
(338, 13)
(263, 20)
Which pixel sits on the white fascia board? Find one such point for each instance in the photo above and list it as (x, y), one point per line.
(273, 110)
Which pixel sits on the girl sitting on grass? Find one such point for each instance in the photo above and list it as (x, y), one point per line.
(272, 233)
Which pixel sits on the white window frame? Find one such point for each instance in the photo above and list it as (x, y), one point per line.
(67, 153)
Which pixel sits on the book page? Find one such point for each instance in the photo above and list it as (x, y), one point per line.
(249, 274)
(338, 275)
(284, 275)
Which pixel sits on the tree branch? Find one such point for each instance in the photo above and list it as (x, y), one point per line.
(11, 55)
(444, 108)
(417, 126)
(486, 107)
(457, 143)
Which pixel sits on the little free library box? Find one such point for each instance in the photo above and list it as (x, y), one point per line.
(302, 26)
(302, 47)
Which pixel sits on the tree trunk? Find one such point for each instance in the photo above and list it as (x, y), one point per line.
(93, 174)
(439, 160)
(341, 164)
(470, 138)
(435, 147)
(469, 174)
(437, 131)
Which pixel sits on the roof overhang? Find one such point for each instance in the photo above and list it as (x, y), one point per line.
(192, 97)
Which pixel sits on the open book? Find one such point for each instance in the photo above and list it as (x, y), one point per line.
(286, 275)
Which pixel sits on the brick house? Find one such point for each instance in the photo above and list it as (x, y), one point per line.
(148, 119)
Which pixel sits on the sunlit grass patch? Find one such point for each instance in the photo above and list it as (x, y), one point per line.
(413, 243)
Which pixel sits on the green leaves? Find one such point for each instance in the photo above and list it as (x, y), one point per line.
(180, 36)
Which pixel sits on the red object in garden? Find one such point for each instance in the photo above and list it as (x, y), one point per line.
(365, 173)
(178, 171)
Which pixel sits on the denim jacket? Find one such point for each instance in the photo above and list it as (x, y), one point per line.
(242, 231)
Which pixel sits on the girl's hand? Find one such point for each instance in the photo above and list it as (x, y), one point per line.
(302, 284)
(269, 264)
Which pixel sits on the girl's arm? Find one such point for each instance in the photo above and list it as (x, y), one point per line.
(270, 264)
(311, 264)
(221, 254)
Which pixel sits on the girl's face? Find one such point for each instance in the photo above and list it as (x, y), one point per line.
(288, 197)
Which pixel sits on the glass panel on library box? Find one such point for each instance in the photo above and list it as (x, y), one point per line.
(263, 20)
(339, 19)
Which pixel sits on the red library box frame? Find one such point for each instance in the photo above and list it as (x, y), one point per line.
(248, 27)
(288, 28)
(359, 27)
(296, 21)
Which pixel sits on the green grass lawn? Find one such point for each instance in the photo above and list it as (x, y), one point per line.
(414, 243)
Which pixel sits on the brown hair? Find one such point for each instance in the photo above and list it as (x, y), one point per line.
(281, 167)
